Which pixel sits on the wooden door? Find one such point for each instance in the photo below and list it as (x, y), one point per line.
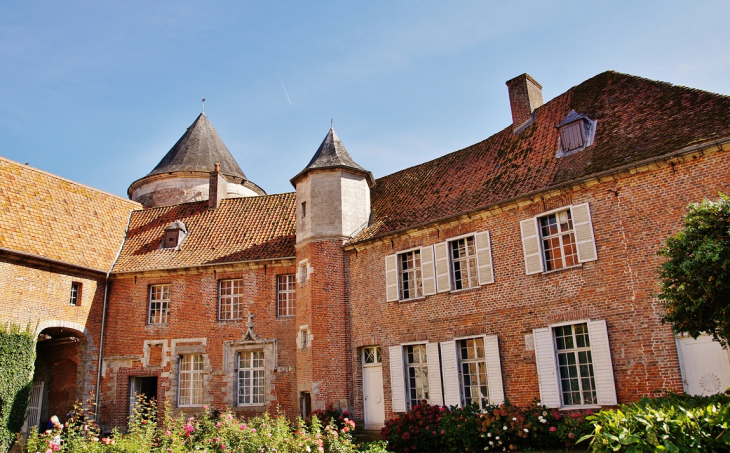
(705, 365)
(372, 383)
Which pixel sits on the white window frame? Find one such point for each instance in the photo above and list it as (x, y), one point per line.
(560, 238)
(287, 296)
(470, 260)
(546, 355)
(75, 298)
(445, 264)
(246, 378)
(303, 271)
(377, 355)
(394, 275)
(532, 239)
(193, 376)
(161, 312)
(399, 379)
(452, 370)
(230, 301)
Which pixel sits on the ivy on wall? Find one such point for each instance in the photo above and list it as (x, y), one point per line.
(17, 357)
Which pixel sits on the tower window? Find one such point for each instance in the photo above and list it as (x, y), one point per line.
(304, 209)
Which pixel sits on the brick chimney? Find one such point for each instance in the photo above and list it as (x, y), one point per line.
(525, 95)
(217, 188)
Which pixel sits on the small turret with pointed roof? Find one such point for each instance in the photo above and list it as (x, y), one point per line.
(183, 174)
(332, 154)
(333, 193)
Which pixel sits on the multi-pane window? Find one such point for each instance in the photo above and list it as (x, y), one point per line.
(473, 372)
(558, 240)
(159, 304)
(372, 355)
(463, 263)
(230, 302)
(575, 365)
(409, 271)
(75, 298)
(417, 374)
(251, 375)
(190, 392)
(285, 295)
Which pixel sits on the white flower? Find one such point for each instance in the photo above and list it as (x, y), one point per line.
(504, 428)
(308, 449)
(514, 419)
(526, 430)
(491, 443)
(496, 438)
(500, 442)
(543, 420)
(489, 434)
(544, 413)
(538, 404)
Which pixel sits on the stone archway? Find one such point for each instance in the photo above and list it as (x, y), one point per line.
(62, 364)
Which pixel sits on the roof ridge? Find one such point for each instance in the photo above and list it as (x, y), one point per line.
(257, 197)
(61, 178)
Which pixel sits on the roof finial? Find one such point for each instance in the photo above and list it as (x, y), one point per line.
(203, 101)
(331, 122)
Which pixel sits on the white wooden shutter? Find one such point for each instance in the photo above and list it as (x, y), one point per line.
(397, 381)
(531, 246)
(583, 227)
(33, 410)
(546, 367)
(391, 278)
(428, 271)
(434, 374)
(484, 258)
(442, 267)
(450, 372)
(494, 370)
(602, 365)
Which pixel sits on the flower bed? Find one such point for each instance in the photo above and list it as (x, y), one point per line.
(208, 432)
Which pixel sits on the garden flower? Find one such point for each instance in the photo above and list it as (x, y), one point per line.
(243, 426)
(553, 429)
(504, 427)
(526, 430)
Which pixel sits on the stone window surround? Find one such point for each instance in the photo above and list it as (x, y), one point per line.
(300, 333)
(231, 351)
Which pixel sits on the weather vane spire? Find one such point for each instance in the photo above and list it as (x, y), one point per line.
(203, 101)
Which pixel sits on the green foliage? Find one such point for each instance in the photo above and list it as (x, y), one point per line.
(695, 278)
(79, 434)
(674, 423)
(17, 357)
(416, 430)
(209, 432)
(459, 430)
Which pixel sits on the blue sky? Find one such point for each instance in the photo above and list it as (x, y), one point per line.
(98, 92)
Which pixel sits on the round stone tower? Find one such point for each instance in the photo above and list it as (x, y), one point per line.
(183, 175)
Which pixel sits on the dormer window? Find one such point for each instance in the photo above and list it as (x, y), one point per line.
(174, 235)
(577, 132)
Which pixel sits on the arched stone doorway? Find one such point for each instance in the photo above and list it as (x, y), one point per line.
(60, 378)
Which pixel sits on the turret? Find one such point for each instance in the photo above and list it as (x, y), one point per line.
(183, 175)
(333, 193)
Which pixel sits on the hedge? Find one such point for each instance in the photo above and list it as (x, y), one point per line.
(17, 357)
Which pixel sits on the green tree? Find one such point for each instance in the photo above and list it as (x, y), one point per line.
(695, 278)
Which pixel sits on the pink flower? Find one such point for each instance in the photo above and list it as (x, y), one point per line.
(205, 408)
(253, 430)
(243, 426)
(553, 429)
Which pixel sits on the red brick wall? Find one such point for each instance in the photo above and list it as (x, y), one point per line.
(631, 219)
(324, 368)
(193, 320)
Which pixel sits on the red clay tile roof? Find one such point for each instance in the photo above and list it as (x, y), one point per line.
(241, 229)
(44, 215)
(637, 119)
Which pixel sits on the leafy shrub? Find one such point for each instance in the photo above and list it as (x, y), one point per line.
(417, 430)
(675, 423)
(330, 415)
(17, 356)
(459, 430)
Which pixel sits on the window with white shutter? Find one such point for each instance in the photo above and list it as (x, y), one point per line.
(410, 274)
(415, 375)
(574, 365)
(558, 240)
(397, 379)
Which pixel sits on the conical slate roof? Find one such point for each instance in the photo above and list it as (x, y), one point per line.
(199, 149)
(332, 154)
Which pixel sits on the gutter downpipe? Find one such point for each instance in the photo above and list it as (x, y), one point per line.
(103, 321)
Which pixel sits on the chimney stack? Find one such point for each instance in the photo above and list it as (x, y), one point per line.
(217, 188)
(525, 95)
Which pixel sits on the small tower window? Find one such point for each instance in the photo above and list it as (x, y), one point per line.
(577, 132)
(174, 235)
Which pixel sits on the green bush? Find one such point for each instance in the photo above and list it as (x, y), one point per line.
(459, 430)
(673, 423)
(17, 357)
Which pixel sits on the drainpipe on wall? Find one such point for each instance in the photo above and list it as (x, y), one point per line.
(103, 321)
